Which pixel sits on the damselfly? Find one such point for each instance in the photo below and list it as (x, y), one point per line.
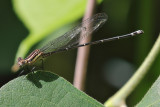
(71, 40)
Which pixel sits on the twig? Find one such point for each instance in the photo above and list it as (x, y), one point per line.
(83, 53)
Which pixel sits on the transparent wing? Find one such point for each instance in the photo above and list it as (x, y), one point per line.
(73, 37)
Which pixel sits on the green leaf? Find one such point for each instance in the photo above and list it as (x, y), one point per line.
(43, 89)
(152, 98)
(39, 15)
(42, 17)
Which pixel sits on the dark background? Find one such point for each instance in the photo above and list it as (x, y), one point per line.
(110, 64)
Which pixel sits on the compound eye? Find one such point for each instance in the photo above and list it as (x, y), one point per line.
(21, 62)
(19, 59)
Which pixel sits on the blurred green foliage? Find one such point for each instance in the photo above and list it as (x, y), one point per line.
(44, 17)
(124, 17)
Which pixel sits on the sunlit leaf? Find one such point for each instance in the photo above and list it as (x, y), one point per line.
(42, 17)
(43, 89)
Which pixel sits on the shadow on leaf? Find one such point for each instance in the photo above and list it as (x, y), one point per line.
(41, 75)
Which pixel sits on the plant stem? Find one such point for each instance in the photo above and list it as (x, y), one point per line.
(83, 53)
(125, 91)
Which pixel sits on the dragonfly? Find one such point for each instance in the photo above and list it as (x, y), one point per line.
(71, 40)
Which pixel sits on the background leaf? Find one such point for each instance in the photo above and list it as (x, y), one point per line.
(43, 89)
(152, 98)
(43, 17)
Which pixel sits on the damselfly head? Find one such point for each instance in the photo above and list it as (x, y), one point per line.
(21, 62)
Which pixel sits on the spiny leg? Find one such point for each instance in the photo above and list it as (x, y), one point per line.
(21, 73)
(32, 70)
